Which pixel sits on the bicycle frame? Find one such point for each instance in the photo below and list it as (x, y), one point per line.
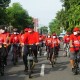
(77, 61)
(53, 57)
(67, 50)
(30, 61)
(15, 54)
(1, 60)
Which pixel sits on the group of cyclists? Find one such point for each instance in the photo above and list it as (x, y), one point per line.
(19, 44)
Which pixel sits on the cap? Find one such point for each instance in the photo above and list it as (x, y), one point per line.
(26, 29)
(54, 34)
(75, 29)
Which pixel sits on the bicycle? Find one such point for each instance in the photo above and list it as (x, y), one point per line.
(48, 52)
(30, 60)
(77, 63)
(2, 59)
(15, 54)
(53, 57)
(40, 48)
(67, 50)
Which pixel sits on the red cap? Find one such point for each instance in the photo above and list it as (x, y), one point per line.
(75, 29)
(54, 34)
(26, 29)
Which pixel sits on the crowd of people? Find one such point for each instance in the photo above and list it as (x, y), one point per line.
(29, 37)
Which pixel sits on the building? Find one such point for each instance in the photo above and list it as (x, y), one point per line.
(35, 20)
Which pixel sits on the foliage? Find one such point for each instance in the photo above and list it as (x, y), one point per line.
(44, 30)
(18, 17)
(54, 26)
(69, 16)
(3, 15)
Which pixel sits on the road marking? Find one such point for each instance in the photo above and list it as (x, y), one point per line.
(22, 75)
(45, 53)
(42, 70)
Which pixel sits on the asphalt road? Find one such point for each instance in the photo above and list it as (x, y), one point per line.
(43, 70)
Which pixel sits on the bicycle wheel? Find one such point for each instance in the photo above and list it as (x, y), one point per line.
(2, 68)
(52, 64)
(30, 68)
(40, 51)
(52, 61)
(15, 59)
(76, 67)
(75, 71)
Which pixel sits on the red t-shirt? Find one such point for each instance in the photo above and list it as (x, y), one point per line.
(33, 38)
(66, 39)
(14, 38)
(75, 42)
(24, 38)
(55, 42)
(48, 41)
(2, 39)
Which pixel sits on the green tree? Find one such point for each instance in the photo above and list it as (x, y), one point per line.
(54, 26)
(3, 15)
(68, 17)
(18, 17)
(44, 30)
(4, 3)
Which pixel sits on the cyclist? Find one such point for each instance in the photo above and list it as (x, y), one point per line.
(74, 46)
(54, 47)
(48, 42)
(24, 45)
(14, 41)
(66, 41)
(40, 44)
(33, 40)
(2, 51)
(6, 44)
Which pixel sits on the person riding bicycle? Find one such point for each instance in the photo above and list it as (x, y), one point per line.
(54, 47)
(2, 51)
(14, 41)
(33, 40)
(24, 45)
(74, 46)
(40, 44)
(48, 42)
(66, 40)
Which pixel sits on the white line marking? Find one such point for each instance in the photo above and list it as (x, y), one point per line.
(23, 75)
(42, 70)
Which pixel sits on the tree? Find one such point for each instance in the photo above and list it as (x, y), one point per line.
(44, 30)
(54, 26)
(68, 17)
(4, 3)
(18, 17)
(3, 15)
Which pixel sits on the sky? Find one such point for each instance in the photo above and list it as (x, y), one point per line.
(44, 10)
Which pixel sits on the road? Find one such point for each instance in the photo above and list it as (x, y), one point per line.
(43, 70)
